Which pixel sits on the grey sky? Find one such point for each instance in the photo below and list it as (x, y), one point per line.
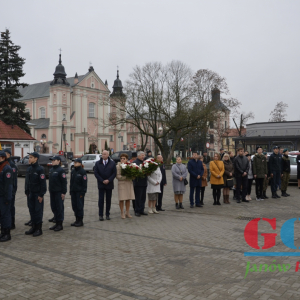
(255, 44)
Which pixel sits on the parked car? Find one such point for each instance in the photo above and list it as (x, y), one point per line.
(89, 161)
(116, 156)
(44, 161)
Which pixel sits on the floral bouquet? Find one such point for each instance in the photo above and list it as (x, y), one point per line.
(131, 171)
(149, 166)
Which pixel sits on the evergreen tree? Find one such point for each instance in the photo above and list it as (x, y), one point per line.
(90, 149)
(106, 146)
(11, 70)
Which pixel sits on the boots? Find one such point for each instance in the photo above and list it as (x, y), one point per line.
(74, 223)
(2, 232)
(154, 210)
(177, 205)
(38, 230)
(227, 199)
(284, 194)
(59, 226)
(13, 226)
(6, 235)
(277, 196)
(29, 223)
(53, 227)
(31, 230)
(224, 199)
(287, 195)
(79, 223)
(52, 220)
(180, 205)
(265, 195)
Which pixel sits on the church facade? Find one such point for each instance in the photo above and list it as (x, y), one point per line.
(68, 114)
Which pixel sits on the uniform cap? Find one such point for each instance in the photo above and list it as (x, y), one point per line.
(78, 160)
(275, 147)
(285, 150)
(2, 153)
(258, 147)
(265, 153)
(34, 154)
(56, 157)
(7, 151)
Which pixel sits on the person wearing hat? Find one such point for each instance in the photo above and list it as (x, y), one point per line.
(285, 172)
(15, 187)
(275, 171)
(57, 190)
(6, 188)
(35, 189)
(149, 154)
(260, 171)
(78, 187)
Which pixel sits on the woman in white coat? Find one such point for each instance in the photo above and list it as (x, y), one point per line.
(153, 189)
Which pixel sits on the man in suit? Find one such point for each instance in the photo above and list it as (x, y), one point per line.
(140, 188)
(163, 183)
(105, 172)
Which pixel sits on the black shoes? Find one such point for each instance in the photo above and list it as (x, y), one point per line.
(277, 196)
(13, 226)
(58, 227)
(38, 230)
(265, 196)
(274, 196)
(52, 220)
(74, 223)
(78, 222)
(238, 201)
(29, 223)
(107, 218)
(215, 202)
(244, 200)
(180, 206)
(101, 218)
(5, 235)
(160, 209)
(199, 205)
(218, 202)
(144, 214)
(137, 214)
(31, 230)
(177, 205)
(191, 206)
(53, 227)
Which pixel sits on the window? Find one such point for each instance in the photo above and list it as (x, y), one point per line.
(111, 138)
(42, 113)
(211, 124)
(43, 136)
(64, 117)
(227, 142)
(121, 139)
(92, 110)
(92, 85)
(85, 157)
(132, 138)
(225, 124)
(211, 138)
(71, 137)
(64, 137)
(92, 157)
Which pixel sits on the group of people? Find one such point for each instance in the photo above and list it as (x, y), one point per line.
(225, 172)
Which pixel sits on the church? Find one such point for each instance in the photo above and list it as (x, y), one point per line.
(68, 113)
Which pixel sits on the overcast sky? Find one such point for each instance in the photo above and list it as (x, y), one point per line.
(254, 44)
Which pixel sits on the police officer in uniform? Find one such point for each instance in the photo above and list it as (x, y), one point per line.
(285, 172)
(15, 187)
(58, 190)
(6, 187)
(78, 186)
(35, 189)
(275, 171)
(266, 179)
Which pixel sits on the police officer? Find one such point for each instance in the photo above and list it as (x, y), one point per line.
(275, 171)
(78, 186)
(35, 189)
(6, 187)
(266, 179)
(15, 187)
(285, 172)
(58, 190)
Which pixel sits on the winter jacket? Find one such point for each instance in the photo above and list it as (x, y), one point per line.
(195, 168)
(179, 170)
(216, 168)
(152, 180)
(275, 163)
(35, 180)
(241, 165)
(285, 164)
(78, 182)
(6, 181)
(260, 168)
(57, 180)
(105, 172)
(229, 168)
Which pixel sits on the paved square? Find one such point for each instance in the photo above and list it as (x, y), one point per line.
(179, 254)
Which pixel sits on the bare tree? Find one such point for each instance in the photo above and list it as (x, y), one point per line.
(241, 123)
(278, 114)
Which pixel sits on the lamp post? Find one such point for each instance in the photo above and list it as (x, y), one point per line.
(43, 142)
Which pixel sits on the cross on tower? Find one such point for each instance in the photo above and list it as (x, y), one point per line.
(90, 63)
(59, 50)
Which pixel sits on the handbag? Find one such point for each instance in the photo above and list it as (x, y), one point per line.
(185, 181)
(229, 182)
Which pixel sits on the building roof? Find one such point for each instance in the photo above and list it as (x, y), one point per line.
(41, 90)
(40, 123)
(13, 132)
(233, 132)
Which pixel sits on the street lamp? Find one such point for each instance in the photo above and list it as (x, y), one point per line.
(43, 142)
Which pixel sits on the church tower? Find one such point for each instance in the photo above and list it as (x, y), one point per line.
(59, 108)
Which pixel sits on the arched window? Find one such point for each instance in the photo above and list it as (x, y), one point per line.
(92, 110)
(43, 136)
(42, 113)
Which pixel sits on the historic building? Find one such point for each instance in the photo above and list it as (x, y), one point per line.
(68, 113)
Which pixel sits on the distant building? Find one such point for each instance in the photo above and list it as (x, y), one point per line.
(269, 134)
(16, 139)
(228, 142)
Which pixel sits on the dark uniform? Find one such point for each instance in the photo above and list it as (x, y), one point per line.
(35, 186)
(78, 187)
(15, 187)
(275, 171)
(266, 179)
(162, 184)
(6, 187)
(57, 187)
(285, 171)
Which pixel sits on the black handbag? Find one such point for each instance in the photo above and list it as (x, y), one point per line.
(229, 183)
(185, 181)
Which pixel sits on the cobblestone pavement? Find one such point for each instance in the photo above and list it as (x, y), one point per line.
(179, 254)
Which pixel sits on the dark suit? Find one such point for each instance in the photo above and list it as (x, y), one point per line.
(162, 184)
(105, 172)
(140, 188)
(195, 168)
